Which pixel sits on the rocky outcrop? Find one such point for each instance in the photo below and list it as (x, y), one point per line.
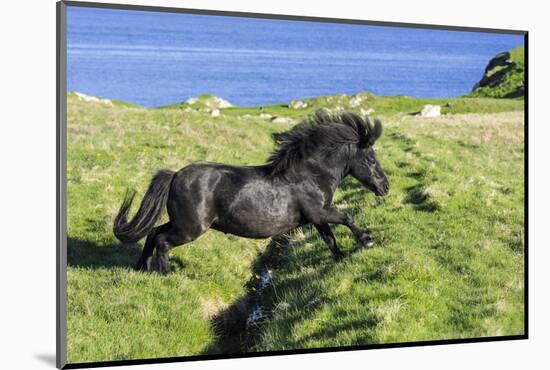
(504, 76)
(494, 70)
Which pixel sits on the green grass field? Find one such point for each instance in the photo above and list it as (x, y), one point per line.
(448, 261)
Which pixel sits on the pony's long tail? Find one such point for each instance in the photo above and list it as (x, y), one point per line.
(149, 211)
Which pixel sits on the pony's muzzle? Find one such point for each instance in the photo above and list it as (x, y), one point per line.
(383, 189)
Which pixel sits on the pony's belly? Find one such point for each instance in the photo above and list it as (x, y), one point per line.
(258, 210)
(250, 227)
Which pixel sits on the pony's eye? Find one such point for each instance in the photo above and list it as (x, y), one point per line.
(371, 160)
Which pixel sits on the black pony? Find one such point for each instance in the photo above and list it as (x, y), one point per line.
(294, 188)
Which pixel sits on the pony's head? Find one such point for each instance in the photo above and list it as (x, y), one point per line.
(344, 139)
(363, 164)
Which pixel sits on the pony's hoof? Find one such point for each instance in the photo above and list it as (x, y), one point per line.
(365, 241)
(140, 266)
(164, 270)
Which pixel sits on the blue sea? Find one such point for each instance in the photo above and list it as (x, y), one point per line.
(155, 59)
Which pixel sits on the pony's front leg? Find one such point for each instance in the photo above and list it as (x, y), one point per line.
(332, 216)
(328, 237)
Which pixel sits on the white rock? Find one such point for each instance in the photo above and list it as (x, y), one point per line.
(367, 111)
(297, 104)
(219, 103)
(355, 101)
(265, 116)
(430, 111)
(95, 99)
(211, 102)
(215, 113)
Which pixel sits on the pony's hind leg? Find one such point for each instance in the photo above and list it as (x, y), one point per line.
(191, 210)
(144, 262)
(171, 238)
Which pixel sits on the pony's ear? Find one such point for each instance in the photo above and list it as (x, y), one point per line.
(369, 136)
(376, 132)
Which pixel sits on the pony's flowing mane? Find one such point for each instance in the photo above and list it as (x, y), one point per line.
(321, 133)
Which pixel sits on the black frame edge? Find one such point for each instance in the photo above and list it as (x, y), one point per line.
(61, 194)
(526, 185)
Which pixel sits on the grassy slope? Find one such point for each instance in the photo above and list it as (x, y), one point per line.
(115, 313)
(450, 257)
(505, 81)
(450, 262)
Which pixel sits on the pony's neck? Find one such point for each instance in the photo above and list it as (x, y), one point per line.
(328, 173)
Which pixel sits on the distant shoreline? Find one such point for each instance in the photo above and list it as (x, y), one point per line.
(361, 103)
(280, 103)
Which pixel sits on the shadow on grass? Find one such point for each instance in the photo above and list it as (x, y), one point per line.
(420, 199)
(231, 325)
(89, 254)
(235, 330)
(367, 336)
(92, 254)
